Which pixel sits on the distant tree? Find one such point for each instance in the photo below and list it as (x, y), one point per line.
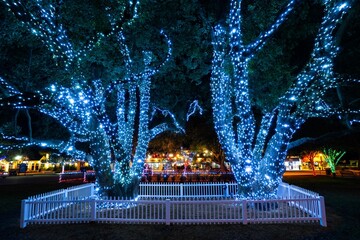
(167, 142)
(200, 135)
(309, 155)
(332, 157)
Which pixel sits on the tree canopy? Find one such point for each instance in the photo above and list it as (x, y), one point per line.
(27, 63)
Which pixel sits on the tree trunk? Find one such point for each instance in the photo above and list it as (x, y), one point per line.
(109, 186)
(129, 190)
(313, 166)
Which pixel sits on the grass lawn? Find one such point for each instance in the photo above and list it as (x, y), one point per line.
(342, 199)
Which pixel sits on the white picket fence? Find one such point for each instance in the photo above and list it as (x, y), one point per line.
(191, 189)
(75, 192)
(214, 206)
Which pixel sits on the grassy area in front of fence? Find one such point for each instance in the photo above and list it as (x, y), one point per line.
(342, 201)
(342, 198)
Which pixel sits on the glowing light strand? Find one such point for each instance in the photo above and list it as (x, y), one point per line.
(41, 19)
(193, 108)
(258, 168)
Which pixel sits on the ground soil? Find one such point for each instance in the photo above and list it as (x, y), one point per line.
(342, 197)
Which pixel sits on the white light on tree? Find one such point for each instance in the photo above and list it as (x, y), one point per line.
(257, 156)
(83, 108)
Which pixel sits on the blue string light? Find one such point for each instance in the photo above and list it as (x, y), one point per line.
(82, 108)
(257, 157)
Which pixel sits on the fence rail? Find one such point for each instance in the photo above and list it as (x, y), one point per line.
(152, 207)
(199, 189)
(75, 192)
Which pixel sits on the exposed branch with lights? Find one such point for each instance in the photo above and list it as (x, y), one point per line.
(116, 146)
(257, 155)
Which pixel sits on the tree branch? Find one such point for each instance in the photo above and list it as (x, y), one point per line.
(321, 138)
(261, 40)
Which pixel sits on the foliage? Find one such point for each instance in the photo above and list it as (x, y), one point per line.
(332, 157)
(309, 155)
(255, 134)
(276, 100)
(105, 104)
(184, 78)
(166, 143)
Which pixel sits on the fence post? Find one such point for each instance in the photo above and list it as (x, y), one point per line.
(288, 192)
(66, 194)
(285, 191)
(92, 190)
(93, 209)
(322, 212)
(181, 189)
(226, 193)
(167, 211)
(244, 211)
(24, 215)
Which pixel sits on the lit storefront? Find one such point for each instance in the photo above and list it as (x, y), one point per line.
(293, 163)
(183, 161)
(4, 165)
